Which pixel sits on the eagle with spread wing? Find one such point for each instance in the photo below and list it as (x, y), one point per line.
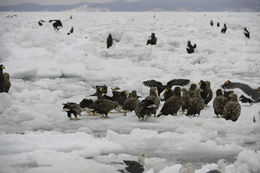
(253, 93)
(160, 87)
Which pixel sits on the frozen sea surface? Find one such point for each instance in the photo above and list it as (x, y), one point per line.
(48, 68)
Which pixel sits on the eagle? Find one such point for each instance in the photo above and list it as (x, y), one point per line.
(85, 103)
(206, 92)
(232, 109)
(4, 80)
(253, 93)
(192, 89)
(160, 87)
(223, 30)
(72, 108)
(133, 166)
(167, 94)
(246, 33)
(109, 41)
(173, 104)
(196, 103)
(71, 31)
(185, 100)
(219, 102)
(40, 22)
(100, 90)
(57, 25)
(118, 96)
(148, 106)
(103, 106)
(131, 102)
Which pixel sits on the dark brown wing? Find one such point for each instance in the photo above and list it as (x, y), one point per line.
(153, 83)
(244, 87)
(180, 82)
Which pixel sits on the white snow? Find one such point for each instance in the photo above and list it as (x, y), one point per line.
(48, 68)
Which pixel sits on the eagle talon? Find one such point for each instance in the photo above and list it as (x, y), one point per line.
(141, 119)
(120, 110)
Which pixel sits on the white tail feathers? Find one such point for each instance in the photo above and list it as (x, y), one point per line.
(151, 106)
(66, 109)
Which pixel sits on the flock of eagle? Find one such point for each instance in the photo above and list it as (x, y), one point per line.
(190, 101)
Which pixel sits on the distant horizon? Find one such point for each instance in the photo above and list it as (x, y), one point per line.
(139, 6)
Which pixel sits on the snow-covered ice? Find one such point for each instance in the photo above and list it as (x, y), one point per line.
(48, 68)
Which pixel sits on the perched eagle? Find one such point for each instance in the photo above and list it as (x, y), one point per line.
(219, 103)
(100, 90)
(192, 89)
(196, 103)
(72, 108)
(232, 109)
(246, 33)
(223, 30)
(160, 87)
(131, 103)
(71, 31)
(148, 106)
(167, 93)
(206, 92)
(185, 100)
(4, 80)
(103, 106)
(109, 41)
(173, 104)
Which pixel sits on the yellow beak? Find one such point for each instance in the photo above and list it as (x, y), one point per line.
(101, 89)
(166, 90)
(3, 67)
(199, 83)
(126, 93)
(226, 82)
